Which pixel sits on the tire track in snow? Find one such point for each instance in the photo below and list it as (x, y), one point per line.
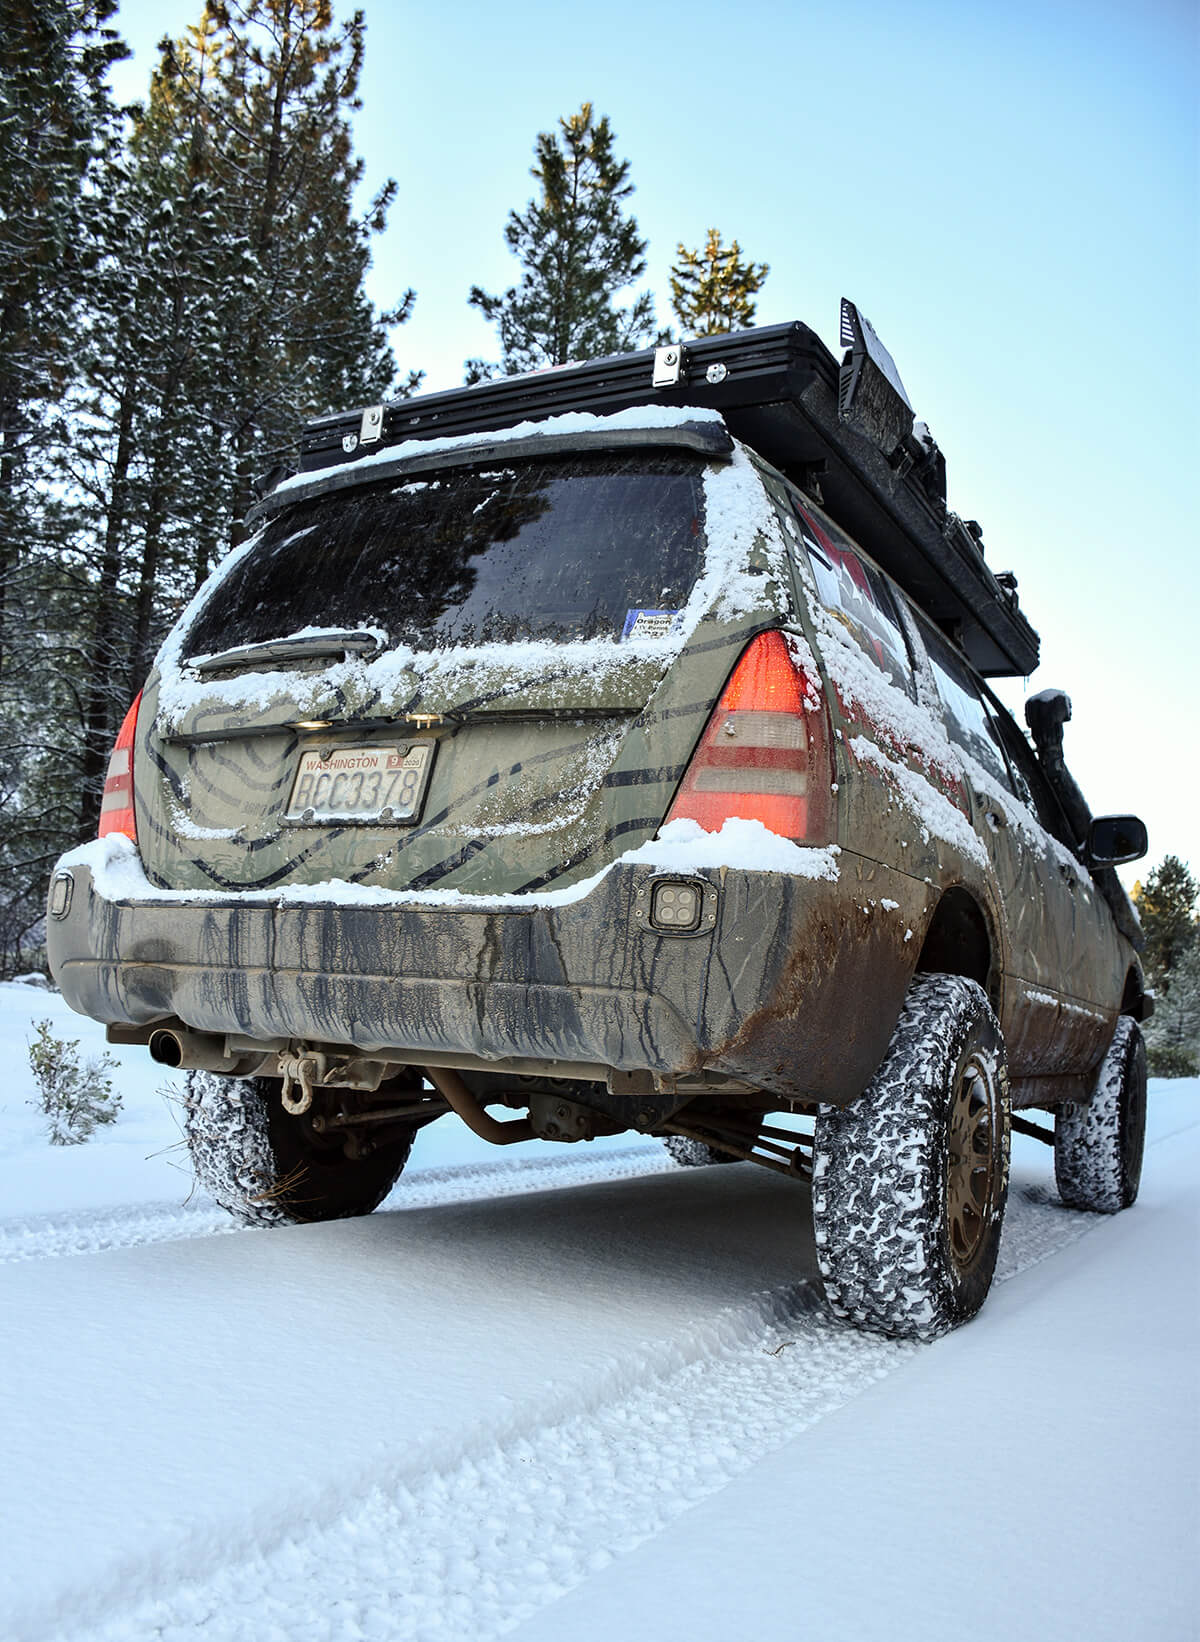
(475, 1549)
(37, 1237)
(428, 1188)
(40, 1237)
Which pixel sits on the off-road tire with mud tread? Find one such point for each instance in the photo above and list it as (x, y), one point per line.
(888, 1190)
(256, 1161)
(1098, 1147)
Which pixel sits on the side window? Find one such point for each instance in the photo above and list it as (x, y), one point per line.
(858, 596)
(968, 720)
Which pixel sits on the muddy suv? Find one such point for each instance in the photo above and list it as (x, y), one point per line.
(589, 767)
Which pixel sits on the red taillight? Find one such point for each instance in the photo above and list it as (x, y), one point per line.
(765, 754)
(116, 807)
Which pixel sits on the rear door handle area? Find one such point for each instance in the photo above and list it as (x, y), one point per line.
(996, 819)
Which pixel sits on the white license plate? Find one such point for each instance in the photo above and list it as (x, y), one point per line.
(363, 784)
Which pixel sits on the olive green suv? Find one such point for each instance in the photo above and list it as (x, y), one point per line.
(589, 767)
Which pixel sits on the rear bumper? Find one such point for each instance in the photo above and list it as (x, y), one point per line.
(775, 992)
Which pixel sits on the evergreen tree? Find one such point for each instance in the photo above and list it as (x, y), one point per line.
(235, 311)
(1166, 906)
(57, 125)
(271, 123)
(578, 250)
(141, 364)
(1173, 1033)
(713, 290)
(198, 296)
(58, 131)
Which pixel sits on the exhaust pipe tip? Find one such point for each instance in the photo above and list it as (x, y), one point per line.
(182, 1050)
(166, 1048)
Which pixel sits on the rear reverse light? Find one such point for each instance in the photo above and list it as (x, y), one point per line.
(766, 752)
(116, 807)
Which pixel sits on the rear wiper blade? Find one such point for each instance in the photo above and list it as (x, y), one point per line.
(453, 718)
(330, 641)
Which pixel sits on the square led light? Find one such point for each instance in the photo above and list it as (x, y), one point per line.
(62, 886)
(674, 905)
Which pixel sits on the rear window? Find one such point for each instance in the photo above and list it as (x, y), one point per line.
(582, 548)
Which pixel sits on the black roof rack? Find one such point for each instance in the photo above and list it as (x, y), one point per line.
(843, 433)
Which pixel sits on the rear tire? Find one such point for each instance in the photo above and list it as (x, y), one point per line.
(266, 1167)
(1098, 1147)
(910, 1180)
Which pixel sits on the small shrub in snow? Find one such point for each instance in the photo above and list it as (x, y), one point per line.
(1170, 1060)
(76, 1099)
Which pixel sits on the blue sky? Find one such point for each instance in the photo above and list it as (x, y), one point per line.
(1010, 192)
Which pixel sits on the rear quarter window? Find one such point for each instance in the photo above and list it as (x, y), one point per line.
(968, 719)
(857, 595)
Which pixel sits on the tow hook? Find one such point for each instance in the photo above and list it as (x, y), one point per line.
(301, 1071)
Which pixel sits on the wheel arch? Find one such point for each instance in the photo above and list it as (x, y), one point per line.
(960, 940)
(1134, 999)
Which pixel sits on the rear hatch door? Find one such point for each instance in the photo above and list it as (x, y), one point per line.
(484, 676)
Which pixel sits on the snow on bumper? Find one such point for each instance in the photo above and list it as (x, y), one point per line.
(788, 984)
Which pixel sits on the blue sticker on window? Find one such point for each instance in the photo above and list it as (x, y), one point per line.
(650, 624)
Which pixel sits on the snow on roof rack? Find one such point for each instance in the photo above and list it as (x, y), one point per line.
(843, 433)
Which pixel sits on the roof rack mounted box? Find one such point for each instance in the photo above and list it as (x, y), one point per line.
(845, 434)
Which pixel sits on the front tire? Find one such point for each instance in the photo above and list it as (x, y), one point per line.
(1098, 1147)
(268, 1168)
(910, 1180)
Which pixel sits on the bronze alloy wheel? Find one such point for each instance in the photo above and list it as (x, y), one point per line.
(974, 1165)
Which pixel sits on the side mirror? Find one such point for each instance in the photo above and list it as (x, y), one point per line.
(1114, 839)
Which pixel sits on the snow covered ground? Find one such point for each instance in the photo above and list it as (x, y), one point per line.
(500, 1406)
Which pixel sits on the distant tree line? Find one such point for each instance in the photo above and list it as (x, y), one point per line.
(181, 288)
(1166, 905)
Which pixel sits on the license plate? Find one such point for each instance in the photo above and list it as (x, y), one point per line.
(361, 784)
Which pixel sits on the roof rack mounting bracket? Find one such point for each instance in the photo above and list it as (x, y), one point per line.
(668, 366)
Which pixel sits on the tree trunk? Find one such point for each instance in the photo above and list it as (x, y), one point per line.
(104, 669)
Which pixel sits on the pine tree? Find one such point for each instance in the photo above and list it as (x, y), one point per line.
(1166, 906)
(58, 132)
(57, 125)
(1173, 1034)
(197, 297)
(235, 311)
(150, 369)
(297, 333)
(578, 250)
(713, 290)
